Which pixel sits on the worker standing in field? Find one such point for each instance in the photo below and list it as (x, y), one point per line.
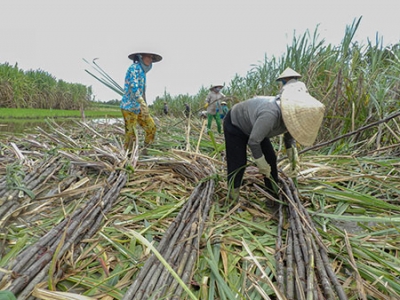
(293, 112)
(133, 104)
(165, 108)
(213, 106)
(187, 110)
(224, 110)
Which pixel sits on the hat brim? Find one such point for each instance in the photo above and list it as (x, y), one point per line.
(215, 86)
(156, 57)
(301, 113)
(288, 73)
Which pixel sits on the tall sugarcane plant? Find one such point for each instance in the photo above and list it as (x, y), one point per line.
(39, 89)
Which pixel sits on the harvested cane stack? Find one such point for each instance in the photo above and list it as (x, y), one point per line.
(32, 266)
(303, 267)
(41, 261)
(179, 247)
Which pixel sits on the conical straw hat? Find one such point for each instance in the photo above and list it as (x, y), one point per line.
(302, 113)
(288, 73)
(216, 86)
(156, 57)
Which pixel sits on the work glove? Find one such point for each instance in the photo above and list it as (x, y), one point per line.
(206, 105)
(263, 166)
(294, 164)
(143, 107)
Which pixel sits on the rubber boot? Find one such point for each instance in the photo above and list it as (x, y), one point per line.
(234, 194)
(271, 187)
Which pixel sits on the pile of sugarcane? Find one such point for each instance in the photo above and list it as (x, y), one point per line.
(303, 268)
(169, 273)
(36, 187)
(179, 248)
(38, 262)
(34, 191)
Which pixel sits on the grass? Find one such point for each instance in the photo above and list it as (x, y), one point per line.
(27, 113)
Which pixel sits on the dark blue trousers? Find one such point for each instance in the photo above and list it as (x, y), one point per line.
(236, 153)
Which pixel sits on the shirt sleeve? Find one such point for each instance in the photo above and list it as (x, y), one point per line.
(262, 128)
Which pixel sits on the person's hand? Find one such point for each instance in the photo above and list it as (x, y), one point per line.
(144, 110)
(263, 167)
(206, 105)
(294, 164)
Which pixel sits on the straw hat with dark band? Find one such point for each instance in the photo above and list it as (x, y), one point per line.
(302, 113)
(288, 73)
(156, 57)
(216, 86)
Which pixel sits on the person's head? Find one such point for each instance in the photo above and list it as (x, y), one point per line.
(216, 88)
(287, 75)
(146, 57)
(223, 103)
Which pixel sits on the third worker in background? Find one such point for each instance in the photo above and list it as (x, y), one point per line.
(213, 106)
(224, 110)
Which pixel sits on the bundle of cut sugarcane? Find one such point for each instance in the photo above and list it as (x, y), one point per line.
(40, 261)
(179, 247)
(36, 262)
(303, 267)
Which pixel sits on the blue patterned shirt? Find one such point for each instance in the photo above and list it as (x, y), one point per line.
(135, 83)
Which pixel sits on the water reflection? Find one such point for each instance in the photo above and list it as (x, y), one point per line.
(18, 126)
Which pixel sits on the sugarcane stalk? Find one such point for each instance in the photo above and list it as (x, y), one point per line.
(310, 269)
(40, 277)
(155, 276)
(159, 276)
(299, 286)
(164, 243)
(298, 252)
(196, 241)
(338, 287)
(75, 233)
(322, 250)
(183, 260)
(324, 279)
(163, 278)
(33, 252)
(279, 252)
(289, 266)
(170, 255)
(6, 210)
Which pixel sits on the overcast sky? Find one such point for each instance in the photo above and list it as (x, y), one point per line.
(202, 42)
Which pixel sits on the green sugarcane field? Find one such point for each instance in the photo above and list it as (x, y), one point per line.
(80, 218)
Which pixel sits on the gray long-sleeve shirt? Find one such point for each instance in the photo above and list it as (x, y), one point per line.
(213, 102)
(260, 117)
